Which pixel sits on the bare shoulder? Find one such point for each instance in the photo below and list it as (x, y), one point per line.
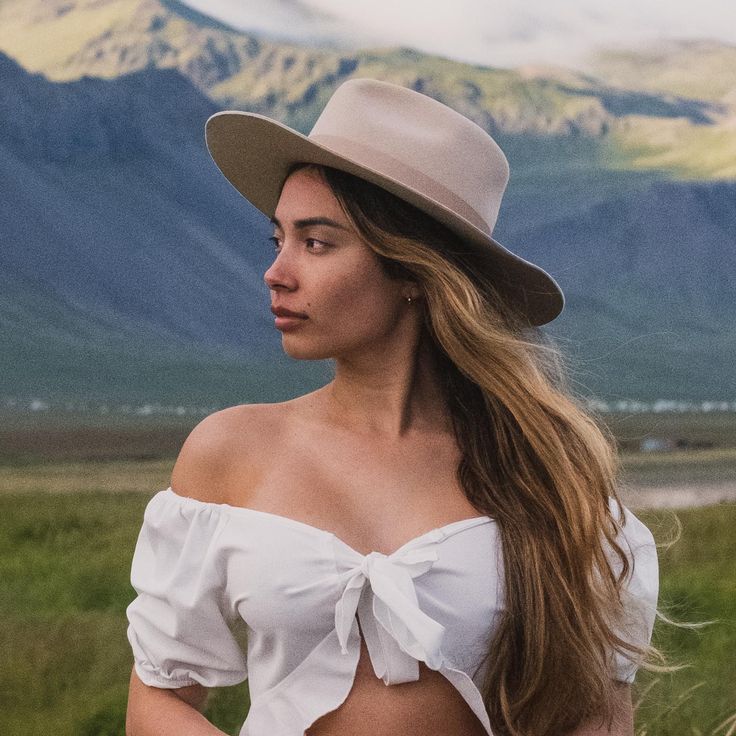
(222, 445)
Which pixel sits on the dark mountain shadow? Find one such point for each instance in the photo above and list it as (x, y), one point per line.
(112, 118)
(624, 102)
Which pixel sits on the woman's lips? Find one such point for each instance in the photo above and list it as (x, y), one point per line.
(288, 323)
(286, 319)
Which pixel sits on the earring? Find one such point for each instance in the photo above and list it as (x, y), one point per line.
(408, 300)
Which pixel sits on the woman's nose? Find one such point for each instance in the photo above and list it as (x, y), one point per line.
(282, 271)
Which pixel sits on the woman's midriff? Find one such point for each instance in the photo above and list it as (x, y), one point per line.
(431, 706)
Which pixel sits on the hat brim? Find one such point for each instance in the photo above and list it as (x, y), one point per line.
(254, 153)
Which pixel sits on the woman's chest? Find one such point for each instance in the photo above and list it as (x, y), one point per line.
(373, 499)
(286, 578)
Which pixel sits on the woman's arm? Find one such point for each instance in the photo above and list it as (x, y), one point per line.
(623, 717)
(154, 711)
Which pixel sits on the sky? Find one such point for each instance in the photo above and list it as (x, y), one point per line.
(489, 32)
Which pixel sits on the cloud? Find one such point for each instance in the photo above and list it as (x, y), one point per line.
(492, 32)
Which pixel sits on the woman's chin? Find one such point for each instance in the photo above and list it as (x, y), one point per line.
(305, 351)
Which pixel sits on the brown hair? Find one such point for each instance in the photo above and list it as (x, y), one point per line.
(533, 458)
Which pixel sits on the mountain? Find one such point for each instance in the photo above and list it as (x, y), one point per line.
(122, 251)
(697, 69)
(131, 268)
(110, 38)
(649, 284)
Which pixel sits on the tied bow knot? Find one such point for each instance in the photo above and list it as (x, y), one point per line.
(404, 634)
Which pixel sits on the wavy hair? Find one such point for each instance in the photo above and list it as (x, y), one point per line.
(532, 457)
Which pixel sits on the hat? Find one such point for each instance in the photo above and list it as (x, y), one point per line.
(415, 147)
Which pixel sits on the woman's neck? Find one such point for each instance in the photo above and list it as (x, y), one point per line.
(390, 395)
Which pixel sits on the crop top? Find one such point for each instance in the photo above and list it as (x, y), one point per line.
(200, 566)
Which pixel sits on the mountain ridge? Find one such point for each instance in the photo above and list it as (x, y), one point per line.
(126, 254)
(291, 82)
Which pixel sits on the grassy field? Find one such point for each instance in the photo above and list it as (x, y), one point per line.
(71, 504)
(64, 563)
(698, 584)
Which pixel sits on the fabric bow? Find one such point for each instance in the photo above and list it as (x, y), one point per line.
(406, 634)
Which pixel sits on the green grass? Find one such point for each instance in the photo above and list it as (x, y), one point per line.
(64, 563)
(698, 583)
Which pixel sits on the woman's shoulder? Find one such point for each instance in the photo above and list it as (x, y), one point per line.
(226, 446)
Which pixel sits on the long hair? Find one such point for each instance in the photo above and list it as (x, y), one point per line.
(532, 457)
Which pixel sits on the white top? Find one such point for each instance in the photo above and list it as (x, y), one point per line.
(200, 566)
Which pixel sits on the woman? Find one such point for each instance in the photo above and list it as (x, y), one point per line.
(432, 542)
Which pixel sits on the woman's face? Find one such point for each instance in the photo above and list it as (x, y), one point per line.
(322, 269)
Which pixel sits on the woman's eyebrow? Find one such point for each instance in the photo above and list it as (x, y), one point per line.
(306, 222)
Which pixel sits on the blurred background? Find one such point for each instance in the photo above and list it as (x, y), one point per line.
(132, 301)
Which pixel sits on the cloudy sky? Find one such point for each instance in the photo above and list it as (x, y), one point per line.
(493, 32)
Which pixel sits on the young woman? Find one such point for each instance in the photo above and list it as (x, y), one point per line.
(432, 543)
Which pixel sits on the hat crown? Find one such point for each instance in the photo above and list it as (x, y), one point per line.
(419, 142)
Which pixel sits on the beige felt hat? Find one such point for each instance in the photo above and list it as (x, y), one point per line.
(424, 152)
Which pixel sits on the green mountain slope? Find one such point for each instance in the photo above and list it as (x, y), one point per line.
(702, 70)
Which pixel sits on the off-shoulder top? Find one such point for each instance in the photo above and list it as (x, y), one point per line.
(198, 567)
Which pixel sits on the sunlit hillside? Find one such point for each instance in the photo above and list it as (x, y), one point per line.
(671, 109)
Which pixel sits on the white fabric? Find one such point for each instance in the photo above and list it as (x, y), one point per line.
(640, 593)
(301, 591)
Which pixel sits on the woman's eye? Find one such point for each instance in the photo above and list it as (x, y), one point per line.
(310, 243)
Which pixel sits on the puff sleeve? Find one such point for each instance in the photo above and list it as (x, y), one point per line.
(178, 623)
(640, 589)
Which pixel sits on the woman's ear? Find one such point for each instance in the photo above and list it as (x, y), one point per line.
(411, 288)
